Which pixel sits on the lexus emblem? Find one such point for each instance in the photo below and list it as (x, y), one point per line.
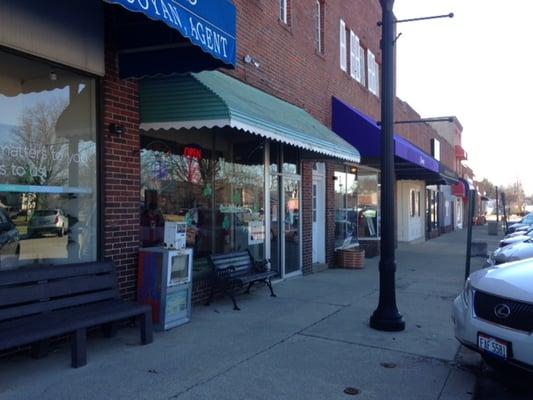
(502, 311)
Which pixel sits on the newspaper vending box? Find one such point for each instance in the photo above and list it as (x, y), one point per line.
(165, 282)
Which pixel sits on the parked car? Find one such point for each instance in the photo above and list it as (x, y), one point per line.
(9, 242)
(523, 223)
(519, 232)
(48, 221)
(512, 252)
(494, 314)
(522, 237)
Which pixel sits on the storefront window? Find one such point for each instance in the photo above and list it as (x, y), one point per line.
(368, 203)
(176, 185)
(48, 180)
(239, 194)
(212, 181)
(346, 185)
(432, 207)
(291, 160)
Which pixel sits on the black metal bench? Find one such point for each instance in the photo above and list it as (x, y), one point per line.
(39, 303)
(231, 271)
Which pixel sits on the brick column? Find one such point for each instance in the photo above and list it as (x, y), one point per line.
(121, 163)
(330, 214)
(307, 217)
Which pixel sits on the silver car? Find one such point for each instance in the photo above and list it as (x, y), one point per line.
(51, 220)
(516, 238)
(512, 252)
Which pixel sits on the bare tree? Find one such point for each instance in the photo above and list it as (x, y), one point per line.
(34, 154)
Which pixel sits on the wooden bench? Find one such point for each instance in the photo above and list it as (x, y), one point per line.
(231, 271)
(38, 303)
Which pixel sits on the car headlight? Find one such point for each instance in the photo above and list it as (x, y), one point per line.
(467, 293)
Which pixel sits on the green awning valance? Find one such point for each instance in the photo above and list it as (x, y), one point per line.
(213, 99)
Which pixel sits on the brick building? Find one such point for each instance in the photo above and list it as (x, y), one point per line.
(142, 128)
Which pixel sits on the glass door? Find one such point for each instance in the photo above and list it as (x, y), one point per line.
(285, 204)
(292, 220)
(275, 229)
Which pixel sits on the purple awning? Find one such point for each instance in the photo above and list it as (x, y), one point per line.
(362, 132)
(409, 152)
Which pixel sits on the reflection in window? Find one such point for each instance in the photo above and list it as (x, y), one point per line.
(239, 194)
(176, 185)
(368, 203)
(213, 181)
(346, 220)
(47, 163)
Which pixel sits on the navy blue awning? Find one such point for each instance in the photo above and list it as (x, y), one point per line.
(206, 27)
(364, 133)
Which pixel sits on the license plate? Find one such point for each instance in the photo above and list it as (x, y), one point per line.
(492, 345)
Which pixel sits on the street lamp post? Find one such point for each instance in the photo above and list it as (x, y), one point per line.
(387, 317)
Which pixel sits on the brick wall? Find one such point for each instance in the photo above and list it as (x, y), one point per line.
(291, 68)
(330, 213)
(121, 163)
(307, 216)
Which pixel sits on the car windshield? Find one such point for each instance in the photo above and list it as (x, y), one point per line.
(45, 213)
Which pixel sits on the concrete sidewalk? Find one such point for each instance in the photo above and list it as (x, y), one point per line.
(311, 342)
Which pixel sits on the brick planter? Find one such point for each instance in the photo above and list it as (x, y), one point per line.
(350, 258)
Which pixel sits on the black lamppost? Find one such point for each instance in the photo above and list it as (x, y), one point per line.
(387, 317)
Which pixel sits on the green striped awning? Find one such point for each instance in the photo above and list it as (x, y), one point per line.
(213, 99)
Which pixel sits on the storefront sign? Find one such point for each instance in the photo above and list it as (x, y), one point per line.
(209, 24)
(23, 161)
(256, 232)
(233, 209)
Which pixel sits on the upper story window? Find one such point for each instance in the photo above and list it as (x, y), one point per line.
(362, 65)
(319, 25)
(284, 11)
(357, 59)
(342, 46)
(435, 149)
(373, 73)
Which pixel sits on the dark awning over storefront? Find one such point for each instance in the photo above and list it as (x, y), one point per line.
(449, 176)
(206, 39)
(216, 100)
(364, 133)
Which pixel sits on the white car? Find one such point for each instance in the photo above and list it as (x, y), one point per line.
(51, 220)
(494, 314)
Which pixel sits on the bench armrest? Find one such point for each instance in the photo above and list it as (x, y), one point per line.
(262, 266)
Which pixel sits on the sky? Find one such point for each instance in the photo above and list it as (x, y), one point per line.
(477, 66)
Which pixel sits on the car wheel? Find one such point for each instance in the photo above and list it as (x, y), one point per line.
(61, 232)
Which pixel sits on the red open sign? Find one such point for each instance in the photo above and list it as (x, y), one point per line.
(192, 152)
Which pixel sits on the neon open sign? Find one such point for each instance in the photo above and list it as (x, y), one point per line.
(192, 152)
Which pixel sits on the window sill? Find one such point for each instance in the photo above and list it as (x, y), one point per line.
(285, 26)
(320, 55)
